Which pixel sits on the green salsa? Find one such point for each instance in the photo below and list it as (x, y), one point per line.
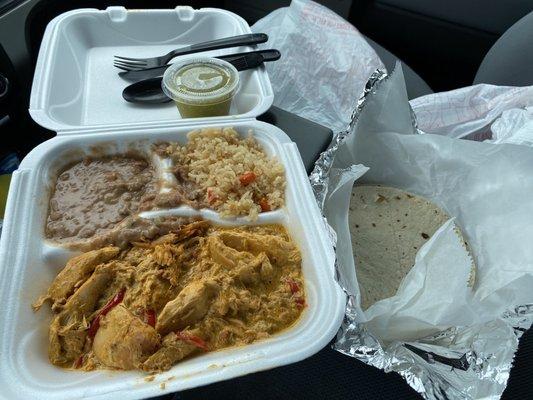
(201, 87)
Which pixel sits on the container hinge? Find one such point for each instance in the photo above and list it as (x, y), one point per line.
(117, 13)
(185, 13)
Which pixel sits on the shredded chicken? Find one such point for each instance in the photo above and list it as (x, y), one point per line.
(77, 270)
(200, 288)
(123, 340)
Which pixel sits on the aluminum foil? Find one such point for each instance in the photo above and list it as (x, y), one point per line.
(320, 175)
(460, 362)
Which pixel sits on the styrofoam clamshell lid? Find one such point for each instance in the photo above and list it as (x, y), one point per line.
(76, 88)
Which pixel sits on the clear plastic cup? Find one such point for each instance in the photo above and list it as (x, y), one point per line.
(201, 87)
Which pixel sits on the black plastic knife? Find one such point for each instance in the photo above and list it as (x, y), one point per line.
(266, 55)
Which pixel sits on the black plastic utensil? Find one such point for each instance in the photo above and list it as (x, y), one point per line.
(268, 55)
(128, 63)
(148, 91)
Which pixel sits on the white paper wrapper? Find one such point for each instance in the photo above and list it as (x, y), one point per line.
(324, 66)
(435, 321)
(424, 305)
(514, 126)
(470, 111)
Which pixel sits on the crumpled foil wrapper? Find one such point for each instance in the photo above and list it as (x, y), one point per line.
(320, 175)
(458, 363)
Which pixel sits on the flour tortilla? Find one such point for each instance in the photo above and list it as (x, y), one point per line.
(388, 226)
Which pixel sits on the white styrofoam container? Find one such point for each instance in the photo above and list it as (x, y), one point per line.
(75, 85)
(28, 263)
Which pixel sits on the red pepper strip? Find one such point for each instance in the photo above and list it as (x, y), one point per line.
(192, 339)
(293, 285)
(79, 362)
(247, 178)
(95, 324)
(149, 317)
(263, 203)
(211, 196)
(300, 302)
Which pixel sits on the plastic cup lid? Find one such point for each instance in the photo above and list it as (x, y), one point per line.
(201, 80)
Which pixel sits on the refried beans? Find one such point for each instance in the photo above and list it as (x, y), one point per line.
(93, 195)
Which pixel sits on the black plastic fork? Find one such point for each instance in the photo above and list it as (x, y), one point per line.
(133, 64)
